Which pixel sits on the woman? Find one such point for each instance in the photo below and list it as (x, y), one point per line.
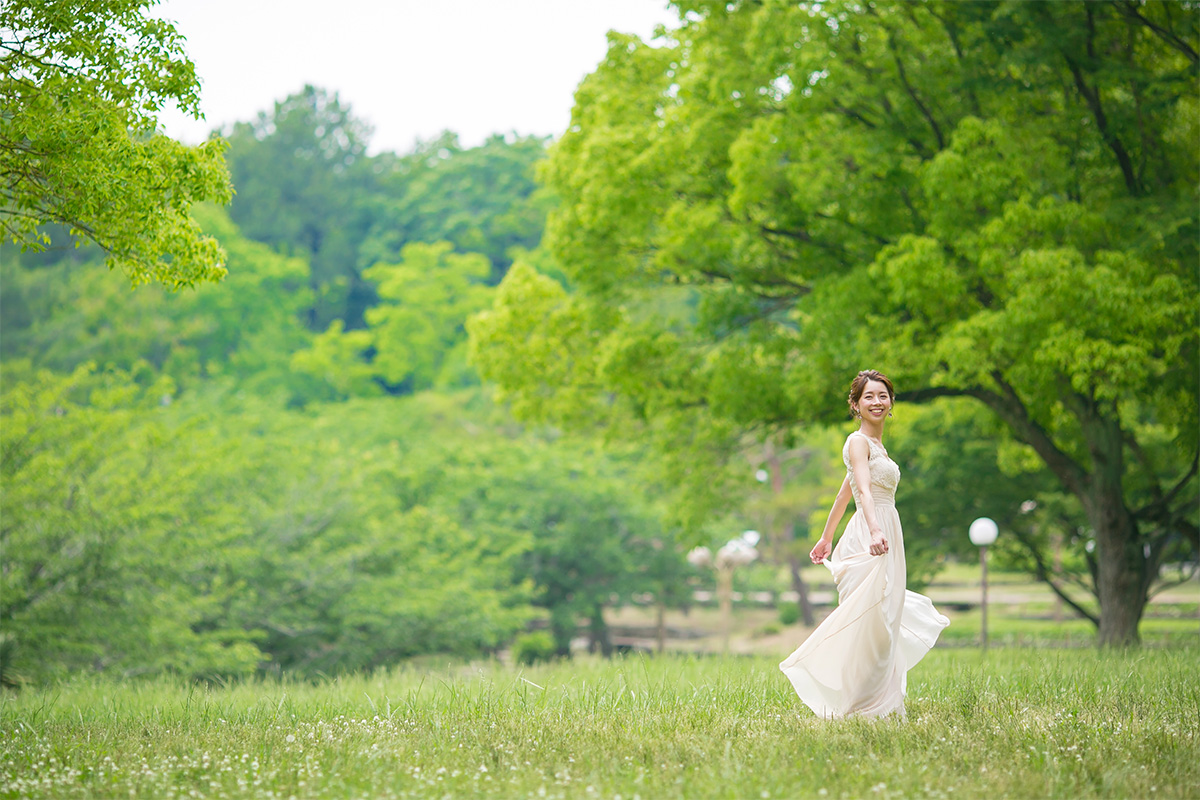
(855, 663)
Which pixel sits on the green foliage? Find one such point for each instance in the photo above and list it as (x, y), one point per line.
(334, 367)
(947, 448)
(102, 567)
(416, 338)
(982, 200)
(305, 184)
(62, 314)
(78, 146)
(554, 356)
(789, 613)
(481, 199)
(211, 533)
(418, 327)
(533, 648)
(566, 516)
(142, 537)
(303, 181)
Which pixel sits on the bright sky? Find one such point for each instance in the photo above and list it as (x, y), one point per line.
(411, 68)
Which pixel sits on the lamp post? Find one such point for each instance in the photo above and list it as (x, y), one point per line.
(983, 532)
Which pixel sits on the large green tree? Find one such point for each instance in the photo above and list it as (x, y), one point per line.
(990, 200)
(80, 87)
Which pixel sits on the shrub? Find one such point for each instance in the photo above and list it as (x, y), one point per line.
(789, 613)
(530, 648)
(770, 629)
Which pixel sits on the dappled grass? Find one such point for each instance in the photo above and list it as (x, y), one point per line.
(1020, 723)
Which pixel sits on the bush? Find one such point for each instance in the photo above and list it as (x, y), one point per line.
(789, 613)
(770, 629)
(530, 648)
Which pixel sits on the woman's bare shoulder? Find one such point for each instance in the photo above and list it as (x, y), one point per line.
(857, 444)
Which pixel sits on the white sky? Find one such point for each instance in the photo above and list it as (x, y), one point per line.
(410, 68)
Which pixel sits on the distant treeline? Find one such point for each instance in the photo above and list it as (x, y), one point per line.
(231, 478)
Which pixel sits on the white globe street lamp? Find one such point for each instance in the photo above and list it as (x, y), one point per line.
(983, 533)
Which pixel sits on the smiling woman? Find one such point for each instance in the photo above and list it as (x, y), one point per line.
(856, 662)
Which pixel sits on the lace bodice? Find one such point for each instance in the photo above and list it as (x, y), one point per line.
(885, 474)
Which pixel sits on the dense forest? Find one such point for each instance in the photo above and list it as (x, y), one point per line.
(297, 467)
(306, 465)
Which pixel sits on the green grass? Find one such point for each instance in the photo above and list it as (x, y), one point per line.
(1018, 723)
(1010, 629)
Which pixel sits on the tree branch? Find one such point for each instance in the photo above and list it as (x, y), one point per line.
(1044, 575)
(1008, 405)
(912, 92)
(928, 393)
(952, 34)
(1130, 9)
(853, 226)
(1158, 509)
(1092, 96)
(854, 115)
(1162, 587)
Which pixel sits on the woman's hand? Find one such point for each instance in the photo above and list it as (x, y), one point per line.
(820, 551)
(879, 544)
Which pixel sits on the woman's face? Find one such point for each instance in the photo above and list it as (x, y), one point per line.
(875, 402)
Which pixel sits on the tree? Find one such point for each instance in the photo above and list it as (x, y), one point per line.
(213, 535)
(78, 145)
(418, 328)
(570, 521)
(101, 533)
(416, 338)
(481, 199)
(62, 314)
(304, 183)
(985, 200)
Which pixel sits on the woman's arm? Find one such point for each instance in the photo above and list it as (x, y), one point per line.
(860, 454)
(824, 546)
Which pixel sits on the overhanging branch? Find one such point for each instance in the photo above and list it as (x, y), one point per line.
(1130, 9)
(1008, 406)
(1044, 575)
(928, 393)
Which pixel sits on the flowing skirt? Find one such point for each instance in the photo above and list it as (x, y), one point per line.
(857, 660)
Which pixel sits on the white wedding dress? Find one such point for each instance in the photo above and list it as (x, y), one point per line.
(856, 662)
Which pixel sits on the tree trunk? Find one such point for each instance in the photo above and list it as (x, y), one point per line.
(1120, 558)
(788, 538)
(801, 590)
(598, 633)
(1056, 541)
(1120, 564)
(1120, 571)
(562, 627)
(725, 602)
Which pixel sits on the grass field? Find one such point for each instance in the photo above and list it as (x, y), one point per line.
(1019, 722)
